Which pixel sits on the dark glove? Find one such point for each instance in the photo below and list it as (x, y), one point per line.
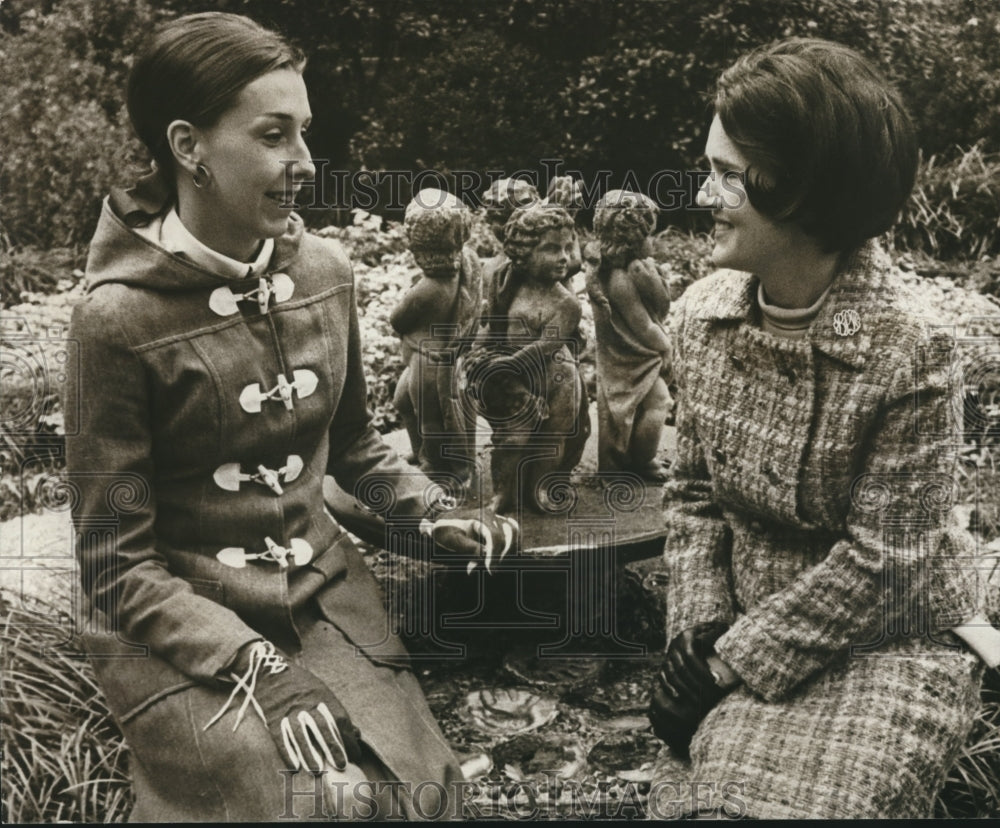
(686, 688)
(479, 535)
(307, 722)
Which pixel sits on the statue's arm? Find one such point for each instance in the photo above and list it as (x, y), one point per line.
(556, 330)
(428, 302)
(625, 298)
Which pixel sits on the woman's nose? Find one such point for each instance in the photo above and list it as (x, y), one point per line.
(304, 169)
(706, 196)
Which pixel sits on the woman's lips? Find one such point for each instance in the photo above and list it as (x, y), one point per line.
(284, 198)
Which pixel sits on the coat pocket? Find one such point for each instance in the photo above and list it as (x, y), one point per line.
(208, 588)
(333, 562)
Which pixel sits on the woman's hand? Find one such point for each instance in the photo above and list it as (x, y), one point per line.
(306, 720)
(483, 537)
(691, 682)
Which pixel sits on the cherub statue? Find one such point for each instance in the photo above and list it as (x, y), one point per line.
(437, 315)
(506, 195)
(524, 376)
(630, 302)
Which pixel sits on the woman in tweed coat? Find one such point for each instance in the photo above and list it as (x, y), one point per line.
(813, 572)
(239, 636)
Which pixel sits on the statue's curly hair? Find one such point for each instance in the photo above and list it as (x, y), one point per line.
(437, 225)
(622, 221)
(527, 225)
(504, 196)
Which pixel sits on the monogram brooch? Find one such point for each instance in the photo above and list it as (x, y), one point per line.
(846, 322)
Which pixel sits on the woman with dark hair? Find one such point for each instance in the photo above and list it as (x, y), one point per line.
(810, 550)
(239, 635)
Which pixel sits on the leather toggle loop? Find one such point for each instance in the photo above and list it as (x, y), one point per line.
(299, 549)
(229, 476)
(278, 286)
(303, 383)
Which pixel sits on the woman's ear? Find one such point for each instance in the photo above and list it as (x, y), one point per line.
(182, 136)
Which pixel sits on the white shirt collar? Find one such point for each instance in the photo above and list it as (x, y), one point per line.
(176, 238)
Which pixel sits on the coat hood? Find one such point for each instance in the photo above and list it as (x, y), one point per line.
(119, 254)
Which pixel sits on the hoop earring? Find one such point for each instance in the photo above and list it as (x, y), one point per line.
(200, 176)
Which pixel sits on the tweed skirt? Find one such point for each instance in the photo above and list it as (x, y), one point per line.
(182, 772)
(873, 737)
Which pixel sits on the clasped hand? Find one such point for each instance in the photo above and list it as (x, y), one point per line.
(483, 539)
(686, 687)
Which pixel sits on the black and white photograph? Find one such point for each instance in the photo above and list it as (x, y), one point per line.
(499, 410)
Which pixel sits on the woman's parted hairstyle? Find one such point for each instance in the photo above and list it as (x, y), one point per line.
(829, 143)
(193, 67)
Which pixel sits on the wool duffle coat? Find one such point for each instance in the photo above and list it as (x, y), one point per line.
(809, 509)
(200, 426)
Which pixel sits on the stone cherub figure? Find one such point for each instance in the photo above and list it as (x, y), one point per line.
(630, 301)
(438, 314)
(524, 375)
(506, 195)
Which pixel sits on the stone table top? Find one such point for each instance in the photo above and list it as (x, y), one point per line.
(587, 509)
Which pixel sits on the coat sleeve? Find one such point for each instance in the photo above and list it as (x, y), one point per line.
(111, 478)
(889, 573)
(361, 462)
(698, 544)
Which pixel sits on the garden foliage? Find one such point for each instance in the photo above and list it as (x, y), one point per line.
(481, 86)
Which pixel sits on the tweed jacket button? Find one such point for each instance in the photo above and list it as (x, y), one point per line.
(773, 477)
(720, 456)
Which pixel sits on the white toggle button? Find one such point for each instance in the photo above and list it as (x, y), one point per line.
(278, 286)
(299, 549)
(229, 476)
(303, 383)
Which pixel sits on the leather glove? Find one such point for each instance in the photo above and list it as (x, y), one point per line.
(481, 536)
(308, 724)
(686, 688)
(685, 668)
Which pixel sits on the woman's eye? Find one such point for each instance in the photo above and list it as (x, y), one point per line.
(273, 137)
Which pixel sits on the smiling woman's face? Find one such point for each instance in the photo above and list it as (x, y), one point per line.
(257, 159)
(745, 239)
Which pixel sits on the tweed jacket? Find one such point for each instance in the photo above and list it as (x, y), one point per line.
(209, 411)
(809, 504)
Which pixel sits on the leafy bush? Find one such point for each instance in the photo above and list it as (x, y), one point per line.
(64, 132)
(617, 86)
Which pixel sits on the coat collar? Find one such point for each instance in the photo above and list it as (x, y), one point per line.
(841, 329)
(119, 253)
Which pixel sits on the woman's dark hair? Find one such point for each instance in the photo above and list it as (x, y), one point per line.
(829, 143)
(193, 67)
